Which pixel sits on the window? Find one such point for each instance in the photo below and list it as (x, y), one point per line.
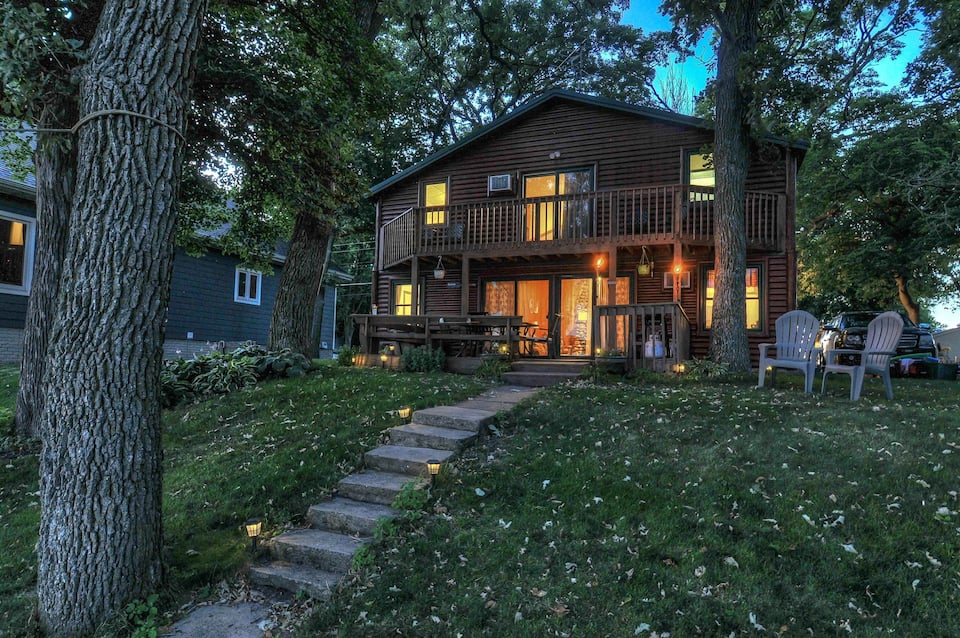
(247, 286)
(401, 298)
(16, 253)
(753, 298)
(555, 216)
(700, 174)
(435, 196)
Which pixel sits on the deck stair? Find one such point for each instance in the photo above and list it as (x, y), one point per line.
(313, 560)
(533, 373)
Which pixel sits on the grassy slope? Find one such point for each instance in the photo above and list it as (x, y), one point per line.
(646, 508)
(270, 451)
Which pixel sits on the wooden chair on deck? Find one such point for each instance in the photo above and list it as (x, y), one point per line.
(880, 344)
(796, 333)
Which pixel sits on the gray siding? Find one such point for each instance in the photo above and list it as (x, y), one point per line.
(13, 308)
(327, 319)
(201, 301)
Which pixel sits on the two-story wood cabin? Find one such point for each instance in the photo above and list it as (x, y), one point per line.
(591, 221)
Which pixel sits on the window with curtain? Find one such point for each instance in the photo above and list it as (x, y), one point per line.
(753, 295)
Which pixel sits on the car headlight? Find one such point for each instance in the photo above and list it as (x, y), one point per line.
(853, 341)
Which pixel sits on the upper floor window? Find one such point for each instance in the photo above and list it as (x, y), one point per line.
(700, 173)
(16, 253)
(553, 216)
(753, 295)
(435, 196)
(247, 286)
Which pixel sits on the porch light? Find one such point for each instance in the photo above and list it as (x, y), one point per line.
(253, 527)
(504, 348)
(439, 272)
(433, 468)
(383, 359)
(678, 268)
(679, 368)
(404, 412)
(599, 264)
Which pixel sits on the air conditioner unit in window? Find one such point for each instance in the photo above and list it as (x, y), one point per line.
(500, 183)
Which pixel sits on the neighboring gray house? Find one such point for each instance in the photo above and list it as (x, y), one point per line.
(213, 298)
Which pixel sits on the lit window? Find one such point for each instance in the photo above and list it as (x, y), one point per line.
(247, 286)
(753, 298)
(700, 174)
(16, 254)
(435, 196)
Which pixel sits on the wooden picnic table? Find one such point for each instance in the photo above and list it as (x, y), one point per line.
(460, 335)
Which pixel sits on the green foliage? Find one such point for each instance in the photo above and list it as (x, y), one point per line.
(141, 617)
(423, 359)
(492, 369)
(362, 559)
(410, 501)
(346, 355)
(877, 211)
(700, 369)
(224, 372)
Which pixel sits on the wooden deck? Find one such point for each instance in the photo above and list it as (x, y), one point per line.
(576, 222)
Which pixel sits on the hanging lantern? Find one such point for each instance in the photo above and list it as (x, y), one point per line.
(439, 272)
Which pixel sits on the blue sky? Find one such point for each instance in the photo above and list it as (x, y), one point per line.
(645, 14)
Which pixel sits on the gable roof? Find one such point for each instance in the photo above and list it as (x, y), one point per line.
(666, 117)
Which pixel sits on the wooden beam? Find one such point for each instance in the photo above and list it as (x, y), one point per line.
(465, 286)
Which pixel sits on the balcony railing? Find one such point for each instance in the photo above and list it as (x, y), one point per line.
(648, 215)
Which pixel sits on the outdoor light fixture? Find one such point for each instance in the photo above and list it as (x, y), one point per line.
(439, 272)
(404, 412)
(504, 348)
(433, 467)
(253, 527)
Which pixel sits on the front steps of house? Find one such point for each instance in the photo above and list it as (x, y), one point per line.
(537, 373)
(314, 559)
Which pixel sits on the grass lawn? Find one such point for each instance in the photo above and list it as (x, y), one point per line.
(635, 508)
(270, 451)
(666, 507)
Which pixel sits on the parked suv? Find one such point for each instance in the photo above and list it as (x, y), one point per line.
(849, 329)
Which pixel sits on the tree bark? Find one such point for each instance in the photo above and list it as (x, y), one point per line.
(55, 163)
(291, 325)
(738, 35)
(100, 469)
(909, 304)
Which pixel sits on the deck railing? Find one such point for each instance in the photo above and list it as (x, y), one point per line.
(653, 214)
(651, 336)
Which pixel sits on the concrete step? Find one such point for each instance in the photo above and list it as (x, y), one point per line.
(327, 551)
(453, 417)
(404, 460)
(347, 516)
(419, 435)
(294, 578)
(528, 365)
(374, 487)
(539, 379)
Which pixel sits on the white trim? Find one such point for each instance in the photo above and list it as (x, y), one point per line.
(253, 300)
(30, 238)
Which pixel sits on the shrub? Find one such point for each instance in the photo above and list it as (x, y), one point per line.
(346, 355)
(223, 372)
(423, 359)
(698, 369)
(492, 369)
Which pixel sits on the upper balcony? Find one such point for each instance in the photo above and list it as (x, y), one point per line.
(577, 222)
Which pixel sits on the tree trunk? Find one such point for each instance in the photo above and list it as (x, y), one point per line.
(55, 164)
(100, 469)
(909, 304)
(291, 325)
(728, 339)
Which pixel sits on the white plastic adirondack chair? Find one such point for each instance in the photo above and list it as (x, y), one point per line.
(796, 333)
(880, 344)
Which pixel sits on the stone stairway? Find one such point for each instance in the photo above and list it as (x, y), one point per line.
(312, 560)
(539, 373)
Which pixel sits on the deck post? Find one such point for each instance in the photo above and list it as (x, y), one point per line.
(465, 286)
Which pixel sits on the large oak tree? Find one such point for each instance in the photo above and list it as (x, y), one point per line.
(100, 488)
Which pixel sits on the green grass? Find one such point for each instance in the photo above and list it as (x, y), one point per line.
(695, 509)
(270, 451)
(637, 508)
